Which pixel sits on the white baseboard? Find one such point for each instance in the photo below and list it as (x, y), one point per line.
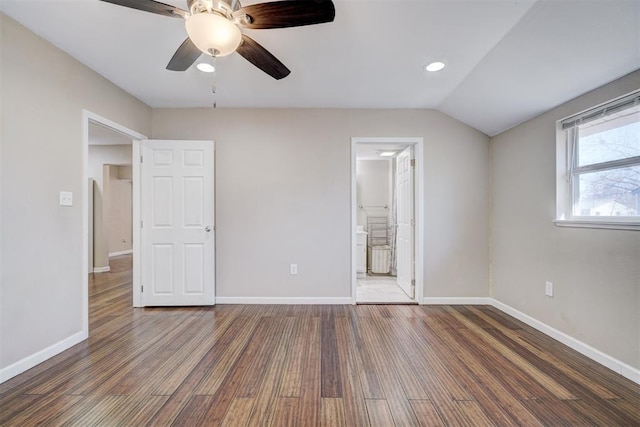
(101, 269)
(612, 363)
(284, 300)
(30, 361)
(127, 252)
(456, 300)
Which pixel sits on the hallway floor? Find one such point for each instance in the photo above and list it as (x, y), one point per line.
(380, 289)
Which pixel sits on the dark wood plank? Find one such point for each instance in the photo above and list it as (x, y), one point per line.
(331, 385)
(309, 404)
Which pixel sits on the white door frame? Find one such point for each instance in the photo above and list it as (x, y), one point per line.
(87, 118)
(418, 144)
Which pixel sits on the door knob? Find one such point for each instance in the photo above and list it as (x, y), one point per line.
(207, 229)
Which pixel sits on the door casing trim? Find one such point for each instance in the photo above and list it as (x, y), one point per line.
(89, 117)
(418, 145)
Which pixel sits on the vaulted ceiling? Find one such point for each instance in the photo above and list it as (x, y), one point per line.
(506, 60)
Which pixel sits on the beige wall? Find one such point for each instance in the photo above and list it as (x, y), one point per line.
(373, 189)
(596, 273)
(283, 196)
(119, 209)
(100, 155)
(43, 94)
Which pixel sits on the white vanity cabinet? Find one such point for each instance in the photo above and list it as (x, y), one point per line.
(361, 252)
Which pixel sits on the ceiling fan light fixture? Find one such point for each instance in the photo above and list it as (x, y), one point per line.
(211, 32)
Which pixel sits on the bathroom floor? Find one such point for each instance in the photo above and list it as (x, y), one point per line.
(380, 289)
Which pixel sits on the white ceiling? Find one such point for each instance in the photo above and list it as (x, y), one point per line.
(507, 60)
(100, 135)
(372, 151)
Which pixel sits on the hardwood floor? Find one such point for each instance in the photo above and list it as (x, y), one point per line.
(312, 365)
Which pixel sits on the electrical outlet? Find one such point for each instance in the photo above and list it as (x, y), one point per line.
(548, 289)
(293, 269)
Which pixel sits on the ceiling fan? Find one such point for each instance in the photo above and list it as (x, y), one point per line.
(213, 27)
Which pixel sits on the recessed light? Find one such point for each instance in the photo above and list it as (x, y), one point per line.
(435, 66)
(386, 153)
(205, 67)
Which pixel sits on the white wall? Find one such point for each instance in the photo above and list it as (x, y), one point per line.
(373, 189)
(43, 94)
(283, 196)
(596, 273)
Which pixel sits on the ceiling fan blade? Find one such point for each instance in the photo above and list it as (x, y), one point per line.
(287, 13)
(184, 57)
(151, 6)
(262, 58)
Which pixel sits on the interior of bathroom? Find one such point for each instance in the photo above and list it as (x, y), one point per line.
(377, 225)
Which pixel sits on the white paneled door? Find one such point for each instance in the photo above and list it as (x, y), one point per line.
(178, 237)
(405, 236)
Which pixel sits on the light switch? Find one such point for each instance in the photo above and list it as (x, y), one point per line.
(66, 198)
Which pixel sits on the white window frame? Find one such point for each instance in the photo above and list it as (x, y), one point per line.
(565, 170)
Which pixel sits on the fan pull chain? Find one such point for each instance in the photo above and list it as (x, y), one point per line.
(213, 88)
(213, 76)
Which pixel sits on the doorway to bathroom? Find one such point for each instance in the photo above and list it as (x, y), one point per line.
(387, 176)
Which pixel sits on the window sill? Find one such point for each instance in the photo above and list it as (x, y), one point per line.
(607, 225)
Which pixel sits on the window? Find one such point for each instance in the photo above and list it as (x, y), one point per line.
(599, 165)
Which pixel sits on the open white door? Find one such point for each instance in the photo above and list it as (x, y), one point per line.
(404, 240)
(177, 212)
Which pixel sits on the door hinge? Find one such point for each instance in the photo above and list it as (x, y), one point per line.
(413, 282)
(141, 159)
(413, 163)
(141, 224)
(141, 288)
